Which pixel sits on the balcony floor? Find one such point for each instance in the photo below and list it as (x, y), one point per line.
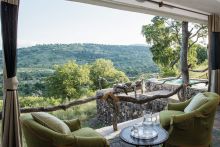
(115, 141)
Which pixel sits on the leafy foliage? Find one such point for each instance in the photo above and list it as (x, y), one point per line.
(73, 81)
(34, 101)
(168, 72)
(69, 81)
(165, 37)
(202, 54)
(104, 71)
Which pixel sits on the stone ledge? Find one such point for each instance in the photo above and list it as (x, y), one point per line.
(109, 133)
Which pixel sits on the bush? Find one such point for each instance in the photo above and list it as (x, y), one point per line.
(69, 81)
(202, 54)
(32, 101)
(166, 72)
(108, 75)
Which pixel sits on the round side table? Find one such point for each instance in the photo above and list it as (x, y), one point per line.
(161, 138)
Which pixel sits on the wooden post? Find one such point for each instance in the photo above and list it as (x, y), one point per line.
(135, 92)
(100, 84)
(115, 115)
(142, 86)
(115, 121)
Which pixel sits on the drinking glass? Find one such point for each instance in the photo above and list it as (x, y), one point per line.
(147, 123)
(155, 119)
(147, 115)
(136, 130)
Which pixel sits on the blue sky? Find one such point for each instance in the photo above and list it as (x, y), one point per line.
(60, 21)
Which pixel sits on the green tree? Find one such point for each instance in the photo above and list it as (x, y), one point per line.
(201, 54)
(165, 36)
(105, 71)
(69, 81)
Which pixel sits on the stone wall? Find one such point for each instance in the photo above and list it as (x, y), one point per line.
(155, 86)
(129, 111)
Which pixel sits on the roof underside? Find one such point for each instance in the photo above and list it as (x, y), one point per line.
(209, 6)
(203, 6)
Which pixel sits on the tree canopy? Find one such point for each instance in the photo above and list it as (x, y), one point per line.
(68, 81)
(165, 35)
(71, 80)
(103, 71)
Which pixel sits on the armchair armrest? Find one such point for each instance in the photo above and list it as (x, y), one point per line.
(73, 124)
(185, 121)
(91, 141)
(181, 118)
(178, 106)
(182, 122)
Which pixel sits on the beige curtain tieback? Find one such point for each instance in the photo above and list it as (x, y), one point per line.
(11, 83)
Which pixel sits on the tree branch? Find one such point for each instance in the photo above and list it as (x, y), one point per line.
(190, 32)
(58, 107)
(203, 70)
(175, 61)
(146, 99)
(202, 27)
(177, 35)
(169, 80)
(190, 45)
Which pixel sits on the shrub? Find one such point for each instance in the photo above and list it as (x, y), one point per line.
(32, 101)
(167, 72)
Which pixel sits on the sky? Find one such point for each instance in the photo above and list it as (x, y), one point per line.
(60, 21)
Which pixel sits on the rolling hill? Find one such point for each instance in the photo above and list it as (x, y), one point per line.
(132, 59)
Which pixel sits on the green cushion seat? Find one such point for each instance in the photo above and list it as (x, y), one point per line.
(95, 139)
(86, 132)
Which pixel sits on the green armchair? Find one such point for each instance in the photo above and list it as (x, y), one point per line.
(37, 135)
(190, 129)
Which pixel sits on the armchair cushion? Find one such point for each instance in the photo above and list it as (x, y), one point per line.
(73, 124)
(87, 137)
(86, 132)
(178, 106)
(51, 122)
(197, 101)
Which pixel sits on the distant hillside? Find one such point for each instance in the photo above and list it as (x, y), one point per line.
(132, 59)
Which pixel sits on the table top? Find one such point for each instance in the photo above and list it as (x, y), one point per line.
(162, 136)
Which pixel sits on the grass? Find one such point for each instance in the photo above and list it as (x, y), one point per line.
(84, 112)
(200, 75)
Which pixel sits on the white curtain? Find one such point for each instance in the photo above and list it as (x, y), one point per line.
(11, 128)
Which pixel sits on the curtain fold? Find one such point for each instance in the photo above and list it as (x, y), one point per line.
(214, 52)
(11, 128)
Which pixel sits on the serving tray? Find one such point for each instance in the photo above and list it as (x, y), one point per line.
(141, 134)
